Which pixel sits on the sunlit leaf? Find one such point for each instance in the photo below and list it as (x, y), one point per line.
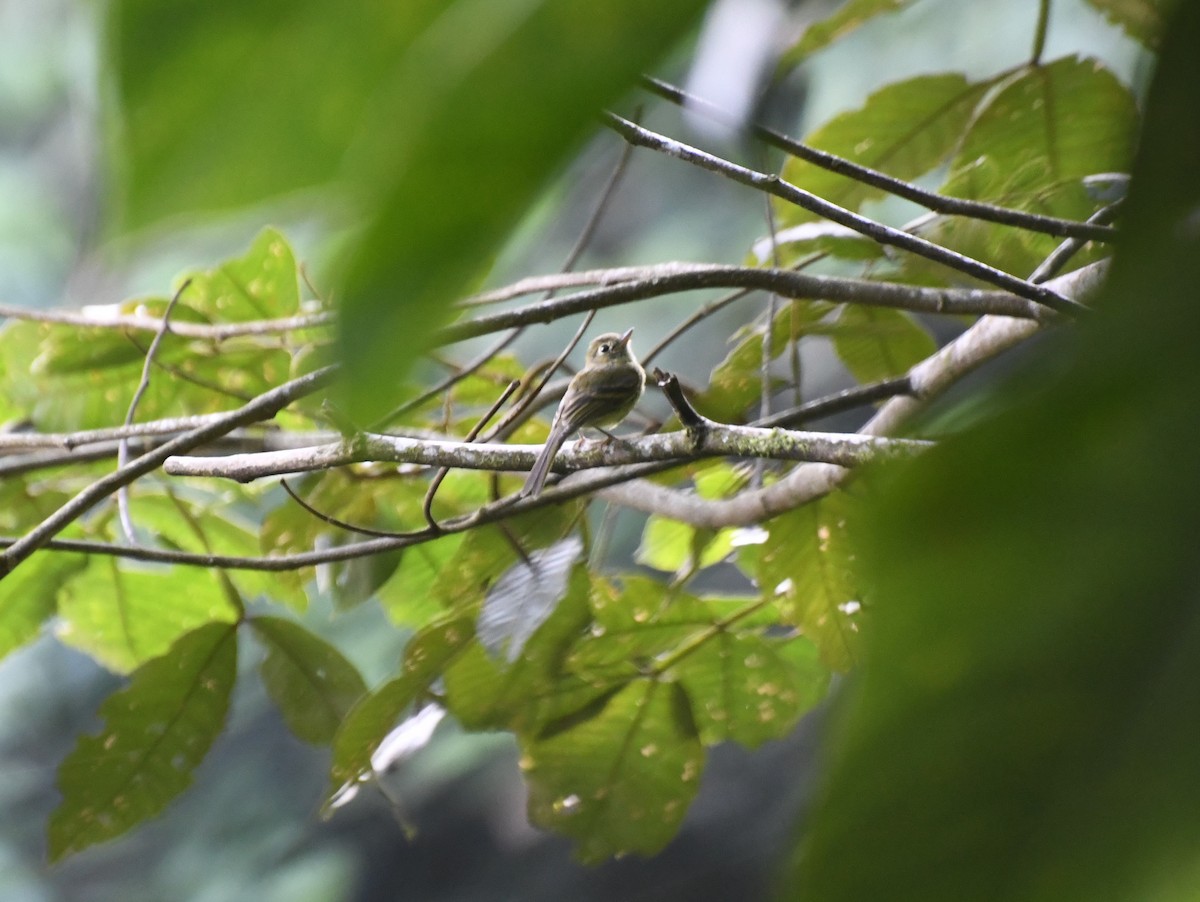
(260, 284)
(124, 614)
(407, 596)
(156, 731)
(675, 547)
(27, 595)
(311, 681)
(621, 780)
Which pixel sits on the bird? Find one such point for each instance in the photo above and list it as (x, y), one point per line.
(599, 395)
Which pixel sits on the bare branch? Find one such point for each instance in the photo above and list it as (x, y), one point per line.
(931, 200)
(671, 278)
(876, 231)
(103, 319)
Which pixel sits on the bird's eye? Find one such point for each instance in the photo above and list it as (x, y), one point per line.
(604, 349)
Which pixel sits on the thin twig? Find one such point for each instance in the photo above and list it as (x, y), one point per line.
(435, 483)
(221, 332)
(143, 384)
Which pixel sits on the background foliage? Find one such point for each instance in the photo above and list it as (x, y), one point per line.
(1013, 612)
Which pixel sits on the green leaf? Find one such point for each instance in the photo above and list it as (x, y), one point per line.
(621, 780)
(401, 117)
(311, 682)
(736, 382)
(486, 692)
(809, 564)
(407, 597)
(748, 687)
(263, 283)
(214, 526)
(675, 547)
(366, 724)
(1030, 147)
(27, 595)
(549, 66)
(374, 715)
(125, 614)
(156, 731)
(849, 17)
(1023, 727)
(905, 129)
(878, 343)
(1142, 20)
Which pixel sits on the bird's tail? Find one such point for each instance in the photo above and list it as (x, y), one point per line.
(541, 466)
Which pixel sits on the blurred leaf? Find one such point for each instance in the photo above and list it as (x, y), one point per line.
(849, 16)
(125, 614)
(809, 563)
(157, 730)
(365, 725)
(905, 129)
(1023, 727)
(486, 693)
(311, 682)
(879, 343)
(621, 779)
(393, 117)
(524, 596)
(675, 547)
(748, 687)
(516, 84)
(407, 597)
(27, 595)
(1142, 20)
(261, 284)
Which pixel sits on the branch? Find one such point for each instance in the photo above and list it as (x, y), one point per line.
(931, 200)
(263, 407)
(102, 319)
(671, 278)
(776, 186)
(982, 342)
(717, 440)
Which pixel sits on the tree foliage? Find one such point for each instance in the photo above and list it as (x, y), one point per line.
(973, 653)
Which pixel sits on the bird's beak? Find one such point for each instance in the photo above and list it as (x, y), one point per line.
(624, 339)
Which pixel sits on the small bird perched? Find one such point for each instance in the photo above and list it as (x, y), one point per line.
(601, 394)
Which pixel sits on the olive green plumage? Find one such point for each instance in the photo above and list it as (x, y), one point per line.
(601, 394)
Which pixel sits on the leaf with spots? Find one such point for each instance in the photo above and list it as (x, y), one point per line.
(156, 731)
(310, 680)
(808, 565)
(750, 687)
(263, 283)
(620, 780)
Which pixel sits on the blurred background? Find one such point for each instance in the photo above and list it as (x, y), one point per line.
(250, 826)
